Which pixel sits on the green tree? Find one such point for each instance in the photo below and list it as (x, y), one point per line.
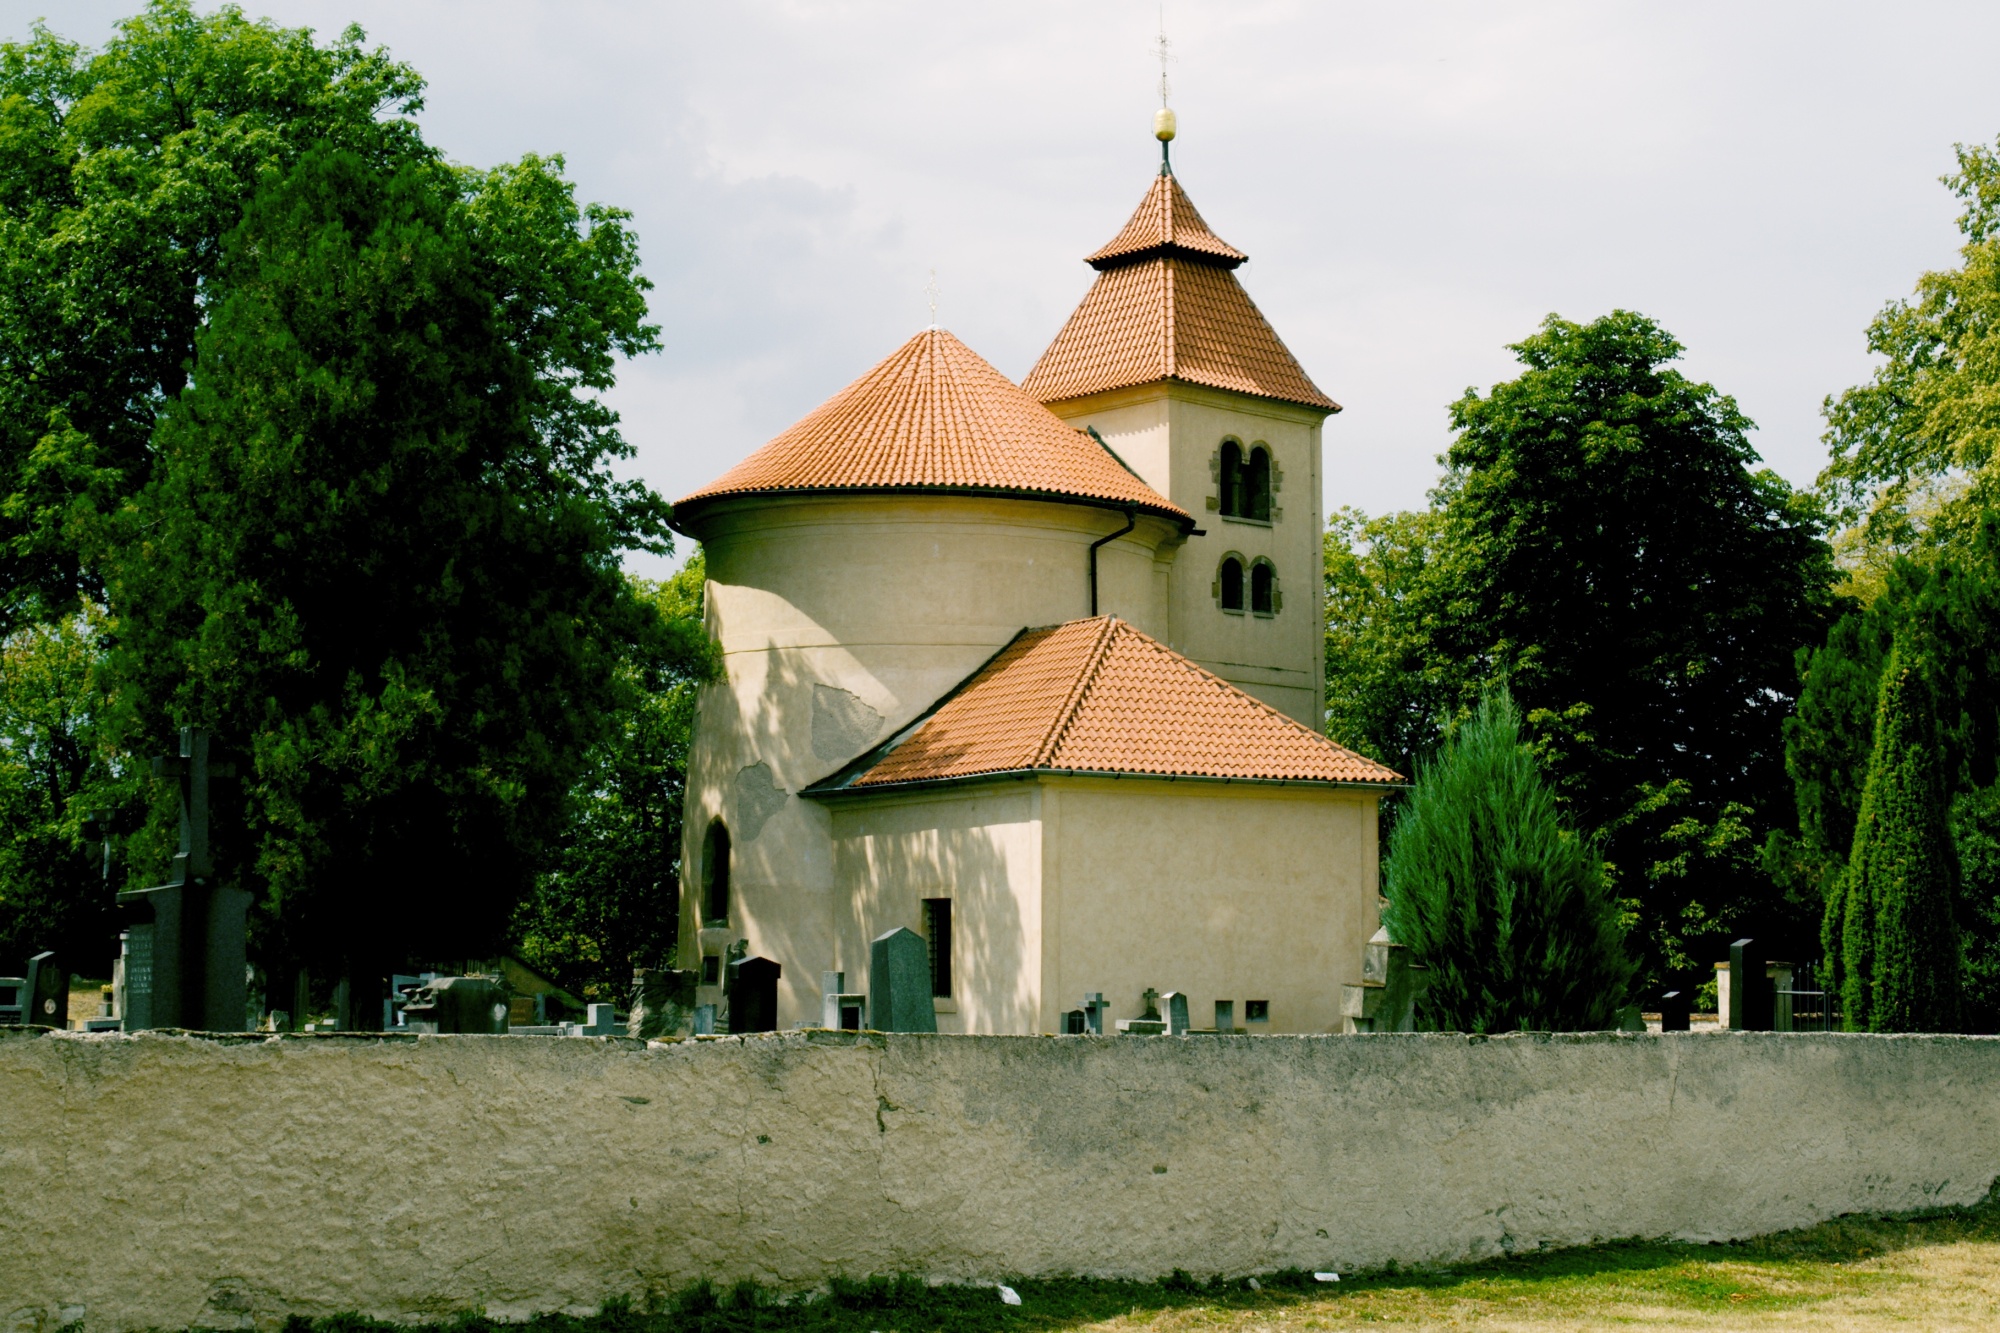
(65, 793)
(1917, 448)
(1510, 910)
(121, 171)
(1603, 542)
(610, 900)
(379, 553)
(1900, 959)
(1942, 603)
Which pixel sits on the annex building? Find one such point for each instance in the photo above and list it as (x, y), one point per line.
(1036, 671)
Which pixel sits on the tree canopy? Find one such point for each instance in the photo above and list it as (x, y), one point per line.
(315, 417)
(1604, 542)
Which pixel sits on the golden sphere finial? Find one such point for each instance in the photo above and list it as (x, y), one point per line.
(1163, 124)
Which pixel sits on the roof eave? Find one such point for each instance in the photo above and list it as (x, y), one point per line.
(681, 517)
(832, 789)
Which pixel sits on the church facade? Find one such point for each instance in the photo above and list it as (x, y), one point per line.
(1036, 671)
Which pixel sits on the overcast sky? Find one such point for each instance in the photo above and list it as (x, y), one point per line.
(1417, 184)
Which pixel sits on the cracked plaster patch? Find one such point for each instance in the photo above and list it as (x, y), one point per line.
(758, 797)
(843, 726)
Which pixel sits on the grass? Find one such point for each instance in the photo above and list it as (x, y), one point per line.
(1932, 1270)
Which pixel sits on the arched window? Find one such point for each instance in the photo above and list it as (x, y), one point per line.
(1257, 486)
(1232, 479)
(1263, 589)
(715, 875)
(1229, 584)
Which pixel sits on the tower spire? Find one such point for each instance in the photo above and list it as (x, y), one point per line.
(1163, 119)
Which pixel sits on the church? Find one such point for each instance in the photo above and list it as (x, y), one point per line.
(1037, 672)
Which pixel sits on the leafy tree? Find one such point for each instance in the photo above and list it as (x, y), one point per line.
(1384, 697)
(121, 171)
(1510, 910)
(1918, 447)
(610, 901)
(65, 794)
(1942, 603)
(1900, 960)
(379, 550)
(1603, 542)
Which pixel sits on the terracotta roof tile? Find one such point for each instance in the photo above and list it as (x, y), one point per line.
(1099, 696)
(934, 416)
(1165, 221)
(1170, 318)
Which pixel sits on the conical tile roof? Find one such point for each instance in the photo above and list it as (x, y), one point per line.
(1166, 221)
(1166, 306)
(935, 417)
(1098, 696)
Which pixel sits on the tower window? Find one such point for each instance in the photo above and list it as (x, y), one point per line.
(937, 932)
(1229, 583)
(1245, 482)
(715, 875)
(1263, 589)
(1257, 485)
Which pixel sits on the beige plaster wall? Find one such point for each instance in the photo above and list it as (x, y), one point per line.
(164, 1181)
(841, 618)
(1221, 891)
(979, 846)
(1168, 432)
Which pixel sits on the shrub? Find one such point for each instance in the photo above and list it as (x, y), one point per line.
(1511, 911)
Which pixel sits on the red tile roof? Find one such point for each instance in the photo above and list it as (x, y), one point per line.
(1165, 221)
(935, 417)
(1098, 696)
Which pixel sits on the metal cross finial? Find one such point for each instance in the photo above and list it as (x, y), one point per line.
(931, 291)
(1165, 48)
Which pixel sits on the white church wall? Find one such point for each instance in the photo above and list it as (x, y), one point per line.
(980, 847)
(841, 618)
(1170, 432)
(1232, 892)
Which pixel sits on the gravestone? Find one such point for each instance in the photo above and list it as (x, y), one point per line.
(704, 1020)
(1174, 1008)
(599, 1020)
(1749, 988)
(458, 1005)
(662, 1002)
(899, 983)
(1094, 1010)
(199, 930)
(1074, 1023)
(753, 995)
(40, 997)
(1674, 1010)
(841, 1010)
(1225, 1016)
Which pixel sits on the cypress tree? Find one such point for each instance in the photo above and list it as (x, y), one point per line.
(1510, 910)
(1900, 954)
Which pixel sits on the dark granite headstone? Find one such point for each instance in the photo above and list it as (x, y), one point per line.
(459, 1005)
(1225, 1016)
(899, 983)
(1073, 1024)
(1174, 1008)
(753, 995)
(1674, 1011)
(1749, 988)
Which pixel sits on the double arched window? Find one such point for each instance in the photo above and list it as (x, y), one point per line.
(1245, 482)
(1247, 585)
(715, 875)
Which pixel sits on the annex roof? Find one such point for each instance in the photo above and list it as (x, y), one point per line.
(1166, 306)
(1098, 696)
(935, 417)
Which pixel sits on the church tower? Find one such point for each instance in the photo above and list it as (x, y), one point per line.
(1173, 367)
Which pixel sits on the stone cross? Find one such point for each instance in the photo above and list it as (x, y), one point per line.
(197, 937)
(1094, 1010)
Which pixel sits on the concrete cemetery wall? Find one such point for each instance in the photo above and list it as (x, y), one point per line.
(168, 1181)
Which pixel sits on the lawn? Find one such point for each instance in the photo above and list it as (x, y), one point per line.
(1933, 1271)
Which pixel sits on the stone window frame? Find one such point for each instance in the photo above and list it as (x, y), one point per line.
(711, 891)
(1250, 585)
(1243, 563)
(1275, 477)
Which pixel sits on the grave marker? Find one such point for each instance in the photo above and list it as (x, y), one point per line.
(899, 983)
(753, 995)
